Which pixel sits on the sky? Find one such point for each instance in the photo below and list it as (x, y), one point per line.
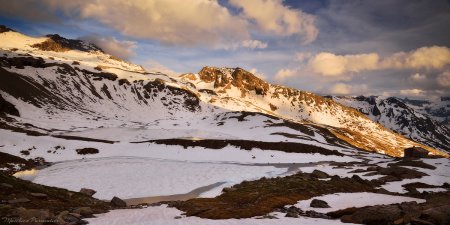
(330, 47)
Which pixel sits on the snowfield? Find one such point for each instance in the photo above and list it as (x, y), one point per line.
(127, 177)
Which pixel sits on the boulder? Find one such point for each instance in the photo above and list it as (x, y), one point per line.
(88, 191)
(84, 211)
(319, 174)
(415, 152)
(118, 202)
(316, 203)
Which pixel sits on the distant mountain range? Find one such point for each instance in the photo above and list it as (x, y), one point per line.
(421, 121)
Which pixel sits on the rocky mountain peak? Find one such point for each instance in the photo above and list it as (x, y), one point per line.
(60, 44)
(237, 77)
(5, 29)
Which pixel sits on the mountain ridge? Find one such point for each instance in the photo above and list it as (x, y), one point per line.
(77, 90)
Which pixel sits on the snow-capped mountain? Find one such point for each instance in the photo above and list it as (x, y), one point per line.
(64, 87)
(438, 110)
(400, 116)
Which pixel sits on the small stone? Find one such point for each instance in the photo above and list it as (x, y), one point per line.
(118, 202)
(319, 174)
(84, 211)
(292, 214)
(38, 195)
(88, 191)
(177, 217)
(19, 200)
(316, 203)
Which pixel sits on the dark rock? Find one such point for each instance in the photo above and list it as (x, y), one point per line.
(84, 211)
(5, 29)
(88, 191)
(319, 174)
(228, 189)
(373, 168)
(38, 195)
(7, 107)
(316, 203)
(358, 179)
(415, 152)
(314, 214)
(118, 202)
(19, 200)
(293, 212)
(87, 151)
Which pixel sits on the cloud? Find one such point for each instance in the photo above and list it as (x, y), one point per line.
(272, 17)
(417, 77)
(254, 44)
(154, 66)
(329, 64)
(412, 92)
(284, 74)
(249, 44)
(443, 79)
(255, 72)
(112, 46)
(340, 89)
(434, 57)
(172, 22)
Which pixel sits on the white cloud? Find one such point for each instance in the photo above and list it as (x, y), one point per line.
(272, 17)
(112, 46)
(340, 89)
(285, 73)
(249, 44)
(346, 89)
(186, 23)
(254, 44)
(417, 77)
(329, 64)
(412, 92)
(443, 79)
(154, 66)
(255, 72)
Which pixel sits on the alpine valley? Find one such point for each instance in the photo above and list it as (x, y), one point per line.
(221, 146)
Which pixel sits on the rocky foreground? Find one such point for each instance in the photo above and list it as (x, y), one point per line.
(23, 201)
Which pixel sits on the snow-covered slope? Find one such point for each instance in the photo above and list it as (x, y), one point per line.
(402, 118)
(237, 89)
(66, 87)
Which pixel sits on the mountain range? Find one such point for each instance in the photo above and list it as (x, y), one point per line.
(52, 86)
